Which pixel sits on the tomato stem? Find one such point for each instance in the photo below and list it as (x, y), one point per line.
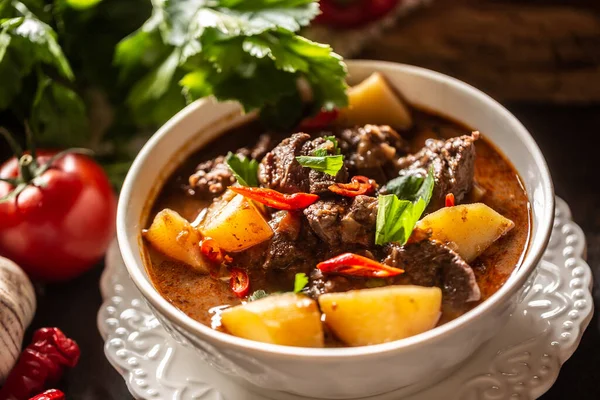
(26, 172)
(57, 156)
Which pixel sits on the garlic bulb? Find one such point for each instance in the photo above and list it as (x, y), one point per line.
(17, 306)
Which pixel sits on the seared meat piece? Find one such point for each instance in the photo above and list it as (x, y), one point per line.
(431, 263)
(453, 164)
(372, 151)
(344, 221)
(211, 178)
(279, 169)
(214, 176)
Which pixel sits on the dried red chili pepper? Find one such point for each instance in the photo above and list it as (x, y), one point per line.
(274, 199)
(51, 394)
(42, 363)
(321, 120)
(450, 200)
(358, 185)
(211, 250)
(355, 265)
(239, 282)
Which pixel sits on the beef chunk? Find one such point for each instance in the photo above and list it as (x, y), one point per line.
(214, 176)
(372, 151)
(211, 178)
(279, 169)
(344, 221)
(453, 164)
(431, 263)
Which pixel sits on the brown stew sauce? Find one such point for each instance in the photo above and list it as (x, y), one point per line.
(201, 296)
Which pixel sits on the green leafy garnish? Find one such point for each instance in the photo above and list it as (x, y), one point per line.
(244, 169)
(396, 218)
(235, 50)
(330, 165)
(300, 282)
(405, 187)
(257, 295)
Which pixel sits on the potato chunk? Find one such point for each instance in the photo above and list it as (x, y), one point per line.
(235, 224)
(175, 237)
(373, 101)
(288, 319)
(380, 315)
(472, 227)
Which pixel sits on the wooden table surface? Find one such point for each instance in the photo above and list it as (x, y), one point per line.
(539, 58)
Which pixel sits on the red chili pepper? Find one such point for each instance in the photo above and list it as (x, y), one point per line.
(450, 200)
(321, 120)
(355, 265)
(274, 199)
(239, 282)
(42, 363)
(352, 14)
(51, 394)
(211, 250)
(358, 185)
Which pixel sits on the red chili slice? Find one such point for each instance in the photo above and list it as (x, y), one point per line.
(450, 200)
(52, 394)
(355, 265)
(358, 185)
(274, 199)
(321, 120)
(210, 249)
(239, 282)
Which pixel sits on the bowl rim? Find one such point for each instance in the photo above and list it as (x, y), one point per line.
(191, 326)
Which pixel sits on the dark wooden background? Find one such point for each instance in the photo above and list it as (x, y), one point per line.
(539, 58)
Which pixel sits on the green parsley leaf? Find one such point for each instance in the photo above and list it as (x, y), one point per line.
(396, 218)
(257, 295)
(58, 114)
(300, 282)
(244, 169)
(330, 165)
(245, 51)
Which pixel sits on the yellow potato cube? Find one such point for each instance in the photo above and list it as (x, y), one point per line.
(175, 237)
(235, 224)
(373, 101)
(373, 316)
(472, 227)
(287, 319)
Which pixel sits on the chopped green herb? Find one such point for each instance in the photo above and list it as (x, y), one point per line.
(244, 169)
(257, 295)
(330, 165)
(300, 282)
(396, 218)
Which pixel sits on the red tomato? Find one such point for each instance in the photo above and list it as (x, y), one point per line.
(62, 226)
(353, 13)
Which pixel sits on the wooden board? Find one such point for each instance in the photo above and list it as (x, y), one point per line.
(524, 50)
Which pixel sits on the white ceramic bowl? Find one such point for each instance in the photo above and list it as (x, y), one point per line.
(341, 372)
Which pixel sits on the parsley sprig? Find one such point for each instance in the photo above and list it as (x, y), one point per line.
(396, 218)
(235, 50)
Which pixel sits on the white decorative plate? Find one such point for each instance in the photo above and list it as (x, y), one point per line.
(521, 362)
